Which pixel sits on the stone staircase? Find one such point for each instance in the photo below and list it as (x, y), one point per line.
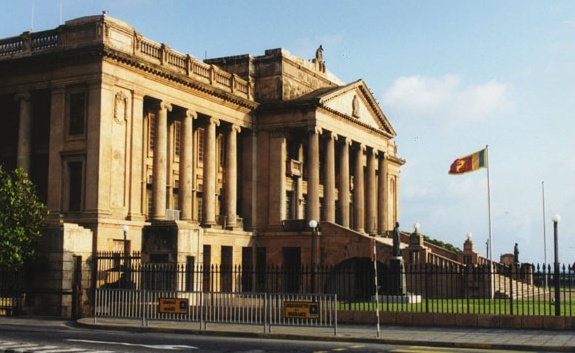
(506, 287)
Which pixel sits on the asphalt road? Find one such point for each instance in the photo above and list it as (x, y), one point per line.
(54, 336)
(48, 336)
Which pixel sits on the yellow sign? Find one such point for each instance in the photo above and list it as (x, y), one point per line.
(173, 306)
(301, 310)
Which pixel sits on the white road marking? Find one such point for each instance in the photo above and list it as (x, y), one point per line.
(169, 347)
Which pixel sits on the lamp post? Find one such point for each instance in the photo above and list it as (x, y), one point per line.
(556, 275)
(125, 228)
(313, 226)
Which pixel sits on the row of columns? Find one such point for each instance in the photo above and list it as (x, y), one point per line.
(160, 168)
(368, 217)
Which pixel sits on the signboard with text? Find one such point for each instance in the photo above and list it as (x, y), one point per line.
(173, 306)
(301, 310)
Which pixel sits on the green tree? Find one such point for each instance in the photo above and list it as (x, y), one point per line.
(21, 218)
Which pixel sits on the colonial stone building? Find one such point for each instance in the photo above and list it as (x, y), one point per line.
(221, 161)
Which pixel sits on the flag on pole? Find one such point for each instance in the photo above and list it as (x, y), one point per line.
(469, 163)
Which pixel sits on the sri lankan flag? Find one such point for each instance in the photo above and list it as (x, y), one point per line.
(469, 163)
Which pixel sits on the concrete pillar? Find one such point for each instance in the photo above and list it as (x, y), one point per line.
(209, 193)
(313, 174)
(160, 162)
(137, 186)
(57, 133)
(277, 179)
(24, 153)
(382, 226)
(344, 190)
(359, 191)
(187, 166)
(370, 194)
(231, 176)
(329, 178)
(299, 189)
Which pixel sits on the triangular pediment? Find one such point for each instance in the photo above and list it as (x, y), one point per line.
(356, 102)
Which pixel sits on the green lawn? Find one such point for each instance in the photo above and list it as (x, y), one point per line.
(471, 306)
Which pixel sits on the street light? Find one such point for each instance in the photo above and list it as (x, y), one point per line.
(125, 228)
(556, 220)
(313, 226)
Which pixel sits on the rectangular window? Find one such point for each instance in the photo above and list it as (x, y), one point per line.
(201, 136)
(199, 197)
(177, 137)
(75, 186)
(226, 267)
(151, 131)
(76, 113)
(221, 145)
(207, 268)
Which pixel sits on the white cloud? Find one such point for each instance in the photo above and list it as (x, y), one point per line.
(446, 98)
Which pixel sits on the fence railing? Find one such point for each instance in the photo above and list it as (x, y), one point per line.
(11, 291)
(263, 309)
(484, 289)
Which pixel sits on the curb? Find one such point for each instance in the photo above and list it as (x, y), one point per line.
(351, 339)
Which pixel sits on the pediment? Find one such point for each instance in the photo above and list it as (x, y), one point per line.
(356, 102)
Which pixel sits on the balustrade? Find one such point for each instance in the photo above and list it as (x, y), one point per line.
(54, 39)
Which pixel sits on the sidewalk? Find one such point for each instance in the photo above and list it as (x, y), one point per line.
(529, 340)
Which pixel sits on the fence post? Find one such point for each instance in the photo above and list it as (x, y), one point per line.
(511, 274)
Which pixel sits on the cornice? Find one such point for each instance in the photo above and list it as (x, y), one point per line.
(177, 78)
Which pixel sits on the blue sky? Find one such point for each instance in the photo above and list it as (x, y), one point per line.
(452, 76)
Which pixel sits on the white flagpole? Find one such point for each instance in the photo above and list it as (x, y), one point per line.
(544, 236)
(489, 204)
(374, 250)
(491, 265)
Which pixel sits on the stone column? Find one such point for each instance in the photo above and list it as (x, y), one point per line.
(160, 162)
(231, 176)
(359, 191)
(187, 165)
(371, 193)
(137, 186)
(344, 191)
(24, 132)
(209, 193)
(55, 172)
(382, 226)
(277, 179)
(299, 189)
(313, 174)
(329, 178)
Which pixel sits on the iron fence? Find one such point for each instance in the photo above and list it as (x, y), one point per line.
(466, 289)
(263, 309)
(12, 291)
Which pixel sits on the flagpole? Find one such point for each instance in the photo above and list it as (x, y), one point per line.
(489, 204)
(491, 265)
(374, 253)
(544, 236)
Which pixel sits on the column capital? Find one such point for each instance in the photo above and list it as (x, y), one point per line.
(215, 121)
(22, 96)
(347, 141)
(361, 147)
(165, 105)
(235, 128)
(332, 135)
(190, 114)
(315, 129)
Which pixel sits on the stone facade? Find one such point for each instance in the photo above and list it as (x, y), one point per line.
(206, 162)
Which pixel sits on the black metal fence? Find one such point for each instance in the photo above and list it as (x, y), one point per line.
(498, 290)
(12, 289)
